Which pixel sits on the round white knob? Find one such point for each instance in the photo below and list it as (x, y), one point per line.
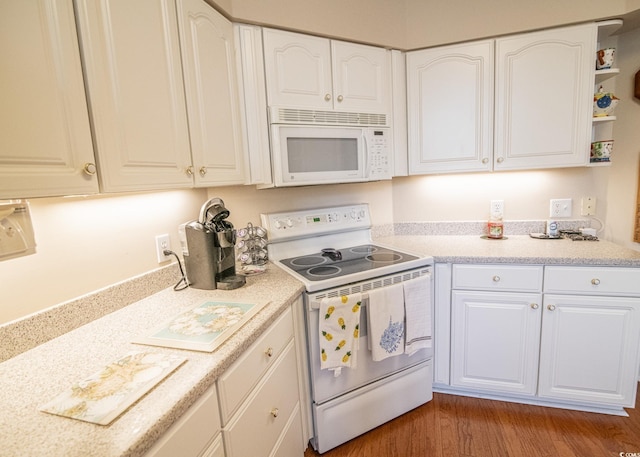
(485, 160)
(500, 159)
(289, 223)
(203, 171)
(551, 307)
(327, 97)
(595, 281)
(534, 306)
(340, 98)
(189, 170)
(275, 412)
(90, 168)
(496, 278)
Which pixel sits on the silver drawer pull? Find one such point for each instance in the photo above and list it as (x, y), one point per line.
(595, 281)
(269, 352)
(551, 307)
(275, 412)
(534, 306)
(496, 278)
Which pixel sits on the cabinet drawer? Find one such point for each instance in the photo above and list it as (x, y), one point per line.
(520, 278)
(593, 280)
(236, 383)
(257, 426)
(193, 432)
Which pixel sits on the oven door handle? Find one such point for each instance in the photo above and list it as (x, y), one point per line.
(316, 304)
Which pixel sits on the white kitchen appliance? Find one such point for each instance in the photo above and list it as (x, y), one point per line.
(312, 149)
(331, 252)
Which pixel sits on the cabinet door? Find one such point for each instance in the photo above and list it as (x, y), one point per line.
(212, 94)
(589, 349)
(297, 70)
(134, 76)
(495, 341)
(544, 92)
(450, 108)
(361, 78)
(45, 138)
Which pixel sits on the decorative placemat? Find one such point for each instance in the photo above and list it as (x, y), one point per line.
(204, 327)
(105, 395)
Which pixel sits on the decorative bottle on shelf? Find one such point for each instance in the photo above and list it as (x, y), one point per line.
(495, 226)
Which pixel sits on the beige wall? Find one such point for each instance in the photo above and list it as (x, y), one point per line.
(466, 197)
(87, 243)
(414, 24)
(622, 182)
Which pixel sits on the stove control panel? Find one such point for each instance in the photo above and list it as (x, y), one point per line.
(312, 222)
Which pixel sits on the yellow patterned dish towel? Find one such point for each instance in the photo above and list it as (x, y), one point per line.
(339, 327)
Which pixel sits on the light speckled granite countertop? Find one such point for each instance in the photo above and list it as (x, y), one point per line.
(516, 249)
(34, 377)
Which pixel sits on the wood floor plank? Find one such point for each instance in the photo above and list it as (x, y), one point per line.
(452, 425)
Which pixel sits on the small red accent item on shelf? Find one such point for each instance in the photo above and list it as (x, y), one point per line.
(636, 93)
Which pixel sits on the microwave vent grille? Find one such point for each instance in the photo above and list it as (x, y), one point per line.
(304, 116)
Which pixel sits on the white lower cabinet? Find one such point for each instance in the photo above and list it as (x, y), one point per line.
(574, 341)
(495, 331)
(196, 434)
(495, 341)
(259, 397)
(591, 335)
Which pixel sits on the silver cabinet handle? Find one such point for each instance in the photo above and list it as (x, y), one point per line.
(203, 171)
(551, 307)
(275, 412)
(90, 168)
(496, 278)
(534, 306)
(269, 352)
(595, 281)
(327, 97)
(189, 170)
(340, 98)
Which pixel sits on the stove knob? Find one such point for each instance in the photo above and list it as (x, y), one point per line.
(289, 223)
(278, 224)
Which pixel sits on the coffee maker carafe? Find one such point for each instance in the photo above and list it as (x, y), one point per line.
(209, 249)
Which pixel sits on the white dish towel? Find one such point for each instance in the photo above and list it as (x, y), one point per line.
(386, 322)
(339, 327)
(417, 302)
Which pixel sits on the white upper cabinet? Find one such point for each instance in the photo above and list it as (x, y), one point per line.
(535, 112)
(45, 137)
(133, 70)
(450, 108)
(208, 55)
(308, 72)
(544, 92)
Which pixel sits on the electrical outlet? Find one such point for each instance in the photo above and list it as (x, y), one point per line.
(497, 206)
(560, 207)
(162, 242)
(588, 206)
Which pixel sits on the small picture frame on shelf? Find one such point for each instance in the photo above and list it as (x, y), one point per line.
(636, 92)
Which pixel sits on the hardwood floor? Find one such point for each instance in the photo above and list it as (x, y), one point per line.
(455, 426)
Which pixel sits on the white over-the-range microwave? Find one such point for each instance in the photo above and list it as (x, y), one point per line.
(311, 147)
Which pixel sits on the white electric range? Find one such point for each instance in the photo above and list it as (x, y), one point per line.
(331, 252)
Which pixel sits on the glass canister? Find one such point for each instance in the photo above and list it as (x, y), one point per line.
(495, 226)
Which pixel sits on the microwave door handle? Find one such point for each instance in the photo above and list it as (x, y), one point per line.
(367, 171)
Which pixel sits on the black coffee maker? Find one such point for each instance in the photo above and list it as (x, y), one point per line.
(209, 251)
